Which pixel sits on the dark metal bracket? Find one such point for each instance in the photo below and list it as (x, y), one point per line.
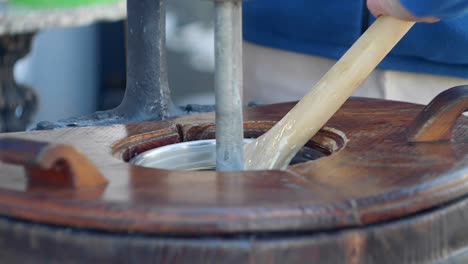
(147, 95)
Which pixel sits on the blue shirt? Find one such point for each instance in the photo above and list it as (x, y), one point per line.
(328, 28)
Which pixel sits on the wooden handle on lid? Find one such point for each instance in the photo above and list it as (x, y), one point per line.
(435, 123)
(275, 149)
(49, 164)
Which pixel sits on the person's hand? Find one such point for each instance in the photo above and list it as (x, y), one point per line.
(396, 9)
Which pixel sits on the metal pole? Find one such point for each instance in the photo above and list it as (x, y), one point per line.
(228, 85)
(147, 96)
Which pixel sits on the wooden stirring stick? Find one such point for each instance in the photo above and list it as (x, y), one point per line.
(276, 148)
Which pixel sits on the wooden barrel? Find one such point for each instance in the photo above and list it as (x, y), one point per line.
(391, 188)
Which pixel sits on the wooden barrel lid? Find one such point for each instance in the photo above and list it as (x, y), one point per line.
(373, 174)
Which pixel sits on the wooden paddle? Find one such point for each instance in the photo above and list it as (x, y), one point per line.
(276, 148)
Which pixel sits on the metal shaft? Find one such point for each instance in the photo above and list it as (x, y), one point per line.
(147, 81)
(228, 85)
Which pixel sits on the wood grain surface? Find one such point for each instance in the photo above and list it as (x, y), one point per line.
(373, 175)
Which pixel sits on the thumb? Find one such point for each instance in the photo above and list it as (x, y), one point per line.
(396, 9)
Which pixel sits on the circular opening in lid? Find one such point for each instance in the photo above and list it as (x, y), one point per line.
(199, 155)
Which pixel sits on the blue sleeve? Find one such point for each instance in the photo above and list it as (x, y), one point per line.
(444, 9)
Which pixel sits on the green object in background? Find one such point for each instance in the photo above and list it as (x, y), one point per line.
(58, 3)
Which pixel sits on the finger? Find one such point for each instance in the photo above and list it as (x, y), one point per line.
(396, 9)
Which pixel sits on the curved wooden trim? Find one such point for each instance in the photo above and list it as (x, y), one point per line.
(435, 123)
(51, 164)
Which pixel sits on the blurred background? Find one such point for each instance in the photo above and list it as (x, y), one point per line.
(82, 69)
